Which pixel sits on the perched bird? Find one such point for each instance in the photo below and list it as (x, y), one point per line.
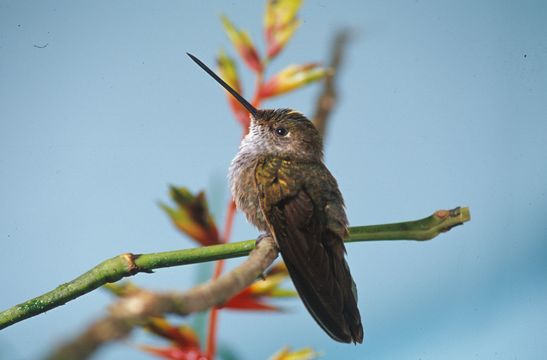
(279, 181)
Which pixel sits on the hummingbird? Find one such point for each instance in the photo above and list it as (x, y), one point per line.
(279, 181)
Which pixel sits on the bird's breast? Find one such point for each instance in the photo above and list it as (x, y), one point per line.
(244, 190)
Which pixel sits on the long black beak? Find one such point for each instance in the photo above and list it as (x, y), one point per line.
(234, 93)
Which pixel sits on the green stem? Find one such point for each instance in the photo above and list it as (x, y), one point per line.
(423, 229)
(124, 265)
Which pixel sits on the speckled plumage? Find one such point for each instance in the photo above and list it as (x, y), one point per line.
(283, 187)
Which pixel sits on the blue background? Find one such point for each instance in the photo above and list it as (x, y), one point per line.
(442, 103)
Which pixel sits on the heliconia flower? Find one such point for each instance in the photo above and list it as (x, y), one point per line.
(280, 23)
(301, 354)
(243, 44)
(228, 73)
(174, 353)
(184, 341)
(254, 296)
(292, 77)
(192, 216)
(249, 301)
(181, 336)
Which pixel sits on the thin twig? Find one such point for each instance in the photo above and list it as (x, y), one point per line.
(327, 98)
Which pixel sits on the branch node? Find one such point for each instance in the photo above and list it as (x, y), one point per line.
(129, 259)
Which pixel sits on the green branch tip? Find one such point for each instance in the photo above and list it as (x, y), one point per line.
(424, 229)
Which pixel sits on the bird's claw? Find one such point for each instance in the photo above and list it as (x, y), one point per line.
(262, 237)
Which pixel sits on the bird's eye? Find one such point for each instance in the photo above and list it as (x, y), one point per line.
(281, 131)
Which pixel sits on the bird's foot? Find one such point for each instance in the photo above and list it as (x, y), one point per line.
(258, 240)
(262, 237)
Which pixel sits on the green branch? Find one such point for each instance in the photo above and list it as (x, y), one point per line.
(423, 229)
(125, 265)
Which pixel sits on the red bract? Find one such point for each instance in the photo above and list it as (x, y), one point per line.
(184, 341)
(182, 336)
(253, 298)
(291, 78)
(243, 44)
(280, 23)
(247, 300)
(192, 216)
(174, 353)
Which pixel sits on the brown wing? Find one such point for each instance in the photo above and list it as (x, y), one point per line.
(298, 214)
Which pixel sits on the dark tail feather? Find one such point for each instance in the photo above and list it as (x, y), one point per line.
(336, 313)
(351, 312)
(315, 258)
